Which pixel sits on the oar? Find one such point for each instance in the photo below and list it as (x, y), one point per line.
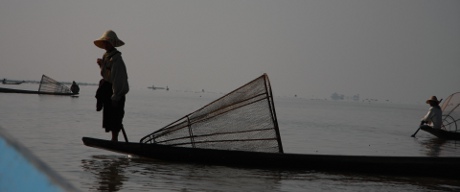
(413, 135)
(124, 134)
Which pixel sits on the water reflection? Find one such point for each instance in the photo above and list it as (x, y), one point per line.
(120, 173)
(433, 146)
(107, 170)
(114, 173)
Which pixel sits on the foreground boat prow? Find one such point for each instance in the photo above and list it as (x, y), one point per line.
(23, 171)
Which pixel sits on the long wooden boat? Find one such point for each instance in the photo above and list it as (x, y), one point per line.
(392, 165)
(441, 133)
(241, 129)
(9, 90)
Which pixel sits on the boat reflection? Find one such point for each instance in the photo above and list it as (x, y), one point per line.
(118, 173)
(121, 173)
(433, 146)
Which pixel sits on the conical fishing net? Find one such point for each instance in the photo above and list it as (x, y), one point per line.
(48, 85)
(243, 120)
(451, 112)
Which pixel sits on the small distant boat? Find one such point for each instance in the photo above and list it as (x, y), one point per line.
(9, 82)
(159, 88)
(9, 90)
(450, 119)
(48, 86)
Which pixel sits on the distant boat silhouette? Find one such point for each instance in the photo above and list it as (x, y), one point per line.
(9, 82)
(154, 88)
(48, 86)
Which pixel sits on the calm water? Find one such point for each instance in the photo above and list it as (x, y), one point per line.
(52, 128)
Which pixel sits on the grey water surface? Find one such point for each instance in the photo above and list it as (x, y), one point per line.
(52, 128)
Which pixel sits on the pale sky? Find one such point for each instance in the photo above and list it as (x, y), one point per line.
(402, 50)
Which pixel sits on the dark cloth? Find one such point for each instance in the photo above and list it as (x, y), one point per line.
(112, 116)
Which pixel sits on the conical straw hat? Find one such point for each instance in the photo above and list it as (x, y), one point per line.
(111, 37)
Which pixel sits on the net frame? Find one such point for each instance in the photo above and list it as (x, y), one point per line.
(254, 98)
(451, 112)
(49, 85)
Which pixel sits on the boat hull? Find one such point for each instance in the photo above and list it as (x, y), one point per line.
(394, 165)
(12, 83)
(8, 90)
(442, 134)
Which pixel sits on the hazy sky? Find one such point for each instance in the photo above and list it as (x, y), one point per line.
(402, 50)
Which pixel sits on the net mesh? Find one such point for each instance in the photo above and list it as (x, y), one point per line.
(451, 112)
(243, 120)
(48, 85)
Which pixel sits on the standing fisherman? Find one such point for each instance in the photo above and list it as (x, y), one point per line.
(111, 94)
